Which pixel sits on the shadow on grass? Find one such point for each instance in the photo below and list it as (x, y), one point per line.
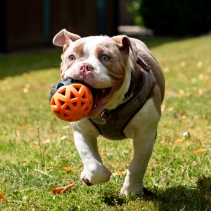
(20, 63)
(174, 198)
(113, 200)
(183, 198)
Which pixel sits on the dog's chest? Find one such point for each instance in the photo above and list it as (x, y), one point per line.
(111, 124)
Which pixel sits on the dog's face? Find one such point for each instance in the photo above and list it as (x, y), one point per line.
(100, 62)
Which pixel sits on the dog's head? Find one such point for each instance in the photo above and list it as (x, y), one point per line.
(100, 62)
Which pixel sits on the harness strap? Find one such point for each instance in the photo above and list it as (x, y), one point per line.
(143, 64)
(111, 115)
(111, 124)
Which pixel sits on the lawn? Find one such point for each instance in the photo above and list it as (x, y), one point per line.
(37, 151)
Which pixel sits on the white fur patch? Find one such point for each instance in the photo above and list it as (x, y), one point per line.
(100, 78)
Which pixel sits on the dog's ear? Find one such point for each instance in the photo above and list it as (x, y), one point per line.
(64, 38)
(125, 45)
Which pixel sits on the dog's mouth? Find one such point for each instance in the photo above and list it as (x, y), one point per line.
(100, 98)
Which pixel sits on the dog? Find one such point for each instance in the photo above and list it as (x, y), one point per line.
(128, 88)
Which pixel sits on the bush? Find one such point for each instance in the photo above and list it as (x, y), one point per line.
(179, 17)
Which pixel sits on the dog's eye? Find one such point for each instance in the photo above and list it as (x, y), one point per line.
(71, 57)
(104, 57)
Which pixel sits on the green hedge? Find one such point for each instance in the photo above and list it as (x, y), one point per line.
(177, 17)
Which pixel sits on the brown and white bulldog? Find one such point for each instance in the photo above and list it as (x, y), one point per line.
(128, 88)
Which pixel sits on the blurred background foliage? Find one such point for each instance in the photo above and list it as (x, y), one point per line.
(177, 18)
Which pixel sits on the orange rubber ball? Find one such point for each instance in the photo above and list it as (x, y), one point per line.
(72, 102)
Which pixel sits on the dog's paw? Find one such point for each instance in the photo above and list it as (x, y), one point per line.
(97, 176)
(86, 181)
(134, 189)
(141, 192)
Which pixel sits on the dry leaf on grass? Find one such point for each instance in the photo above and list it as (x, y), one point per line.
(181, 92)
(199, 64)
(18, 133)
(3, 198)
(43, 142)
(207, 198)
(199, 151)
(36, 144)
(60, 190)
(170, 109)
(25, 88)
(178, 141)
(69, 169)
(119, 173)
(22, 126)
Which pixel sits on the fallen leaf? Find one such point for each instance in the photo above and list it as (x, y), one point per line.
(6, 87)
(201, 76)
(209, 87)
(22, 126)
(170, 109)
(200, 91)
(3, 198)
(163, 107)
(178, 141)
(43, 142)
(199, 151)
(199, 64)
(207, 198)
(60, 190)
(18, 133)
(101, 151)
(183, 64)
(184, 117)
(119, 173)
(36, 144)
(25, 88)
(181, 92)
(68, 169)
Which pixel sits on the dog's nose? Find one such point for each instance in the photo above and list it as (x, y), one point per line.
(85, 67)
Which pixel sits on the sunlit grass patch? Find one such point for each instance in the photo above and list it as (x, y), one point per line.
(35, 146)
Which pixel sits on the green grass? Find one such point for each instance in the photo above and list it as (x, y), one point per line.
(178, 178)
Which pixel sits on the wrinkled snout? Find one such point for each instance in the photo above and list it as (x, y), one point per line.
(85, 67)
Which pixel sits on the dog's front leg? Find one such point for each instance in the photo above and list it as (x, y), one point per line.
(143, 141)
(85, 138)
(142, 152)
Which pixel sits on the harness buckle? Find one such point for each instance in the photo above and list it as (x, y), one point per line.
(105, 115)
(102, 118)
